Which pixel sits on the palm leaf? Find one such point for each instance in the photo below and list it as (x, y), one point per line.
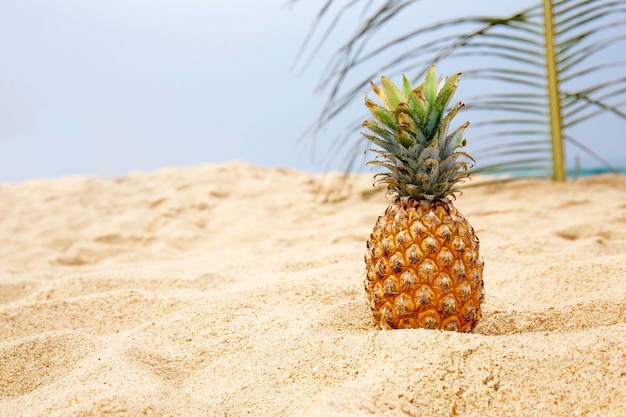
(511, 120)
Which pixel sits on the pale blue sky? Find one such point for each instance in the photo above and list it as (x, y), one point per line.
(106, 87)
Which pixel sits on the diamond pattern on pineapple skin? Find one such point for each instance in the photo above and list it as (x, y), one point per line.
(448, 305)
(443, 232)
(382, 268)
(429, 319)
(378, 295)
(430, 245)
(458, 244)
(451, 323)
(443, 282)
(392, 286)
(404, 305)
(414, 254)
(422, 270)
(445, 257)
(409, 280)
(417, 230)
(427, 270)
(401, 218)
(403, 239)
(397, 262)
(458, 269)
(425, 296)
(430, 220)
(389, 245)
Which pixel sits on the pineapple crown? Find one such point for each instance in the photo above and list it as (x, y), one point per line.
(420, 157)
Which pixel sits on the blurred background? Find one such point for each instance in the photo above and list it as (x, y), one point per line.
(109, 87)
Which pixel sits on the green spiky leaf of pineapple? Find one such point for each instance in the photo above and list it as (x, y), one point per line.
(410, 128)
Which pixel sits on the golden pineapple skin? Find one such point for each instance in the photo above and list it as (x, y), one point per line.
(423, 267)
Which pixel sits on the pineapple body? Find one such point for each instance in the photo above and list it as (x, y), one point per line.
(423, 267)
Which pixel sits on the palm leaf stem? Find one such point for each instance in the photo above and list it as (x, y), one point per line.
(556, 128)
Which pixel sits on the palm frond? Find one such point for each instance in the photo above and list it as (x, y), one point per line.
(503, 57)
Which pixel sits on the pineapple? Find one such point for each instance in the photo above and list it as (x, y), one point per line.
(422, 260)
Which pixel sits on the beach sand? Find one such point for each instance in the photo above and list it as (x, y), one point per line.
(231, 290)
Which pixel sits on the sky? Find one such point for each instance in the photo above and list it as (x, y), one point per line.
(108, 87)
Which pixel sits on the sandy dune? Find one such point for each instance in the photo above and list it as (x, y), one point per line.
(230, 290)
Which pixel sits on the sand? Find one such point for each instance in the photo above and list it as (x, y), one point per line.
(231, 290)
